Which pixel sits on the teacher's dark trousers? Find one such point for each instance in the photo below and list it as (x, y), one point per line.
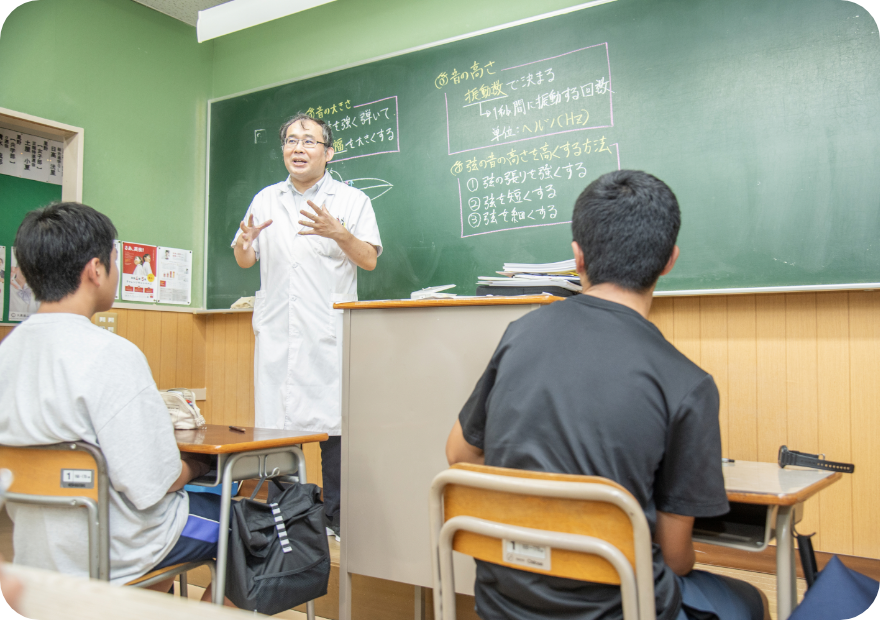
(331, 464)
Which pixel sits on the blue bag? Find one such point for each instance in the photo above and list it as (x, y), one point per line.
(839, 593)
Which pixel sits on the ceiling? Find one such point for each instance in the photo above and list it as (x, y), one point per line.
(186, 11)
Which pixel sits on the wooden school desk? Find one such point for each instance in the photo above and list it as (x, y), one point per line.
(765, 502)
(255, 453)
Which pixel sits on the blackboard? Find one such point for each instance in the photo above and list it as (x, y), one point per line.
(17, 197)
(763, 117)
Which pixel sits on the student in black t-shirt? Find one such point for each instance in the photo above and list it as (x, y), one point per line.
(589, 386)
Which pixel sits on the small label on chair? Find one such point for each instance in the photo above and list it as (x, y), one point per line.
(77, 479)
(526, 555)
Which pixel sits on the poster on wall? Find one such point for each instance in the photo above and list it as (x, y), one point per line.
(118, 245)
(175, 276)
(138, 279)
(2, 277)
(22, 302)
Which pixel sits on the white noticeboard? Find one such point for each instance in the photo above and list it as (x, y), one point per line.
(175, 276)
(10, 151)
(31, 157)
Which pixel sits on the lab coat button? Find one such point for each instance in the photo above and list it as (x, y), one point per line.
(293, 298)
(295, 265)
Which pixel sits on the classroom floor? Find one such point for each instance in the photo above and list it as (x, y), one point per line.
(763, 581)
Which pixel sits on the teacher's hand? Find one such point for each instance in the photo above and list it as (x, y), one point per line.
(249, 232)
(322, 223)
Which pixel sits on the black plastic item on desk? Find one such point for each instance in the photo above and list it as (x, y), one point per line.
(803, 459)
(558, 291)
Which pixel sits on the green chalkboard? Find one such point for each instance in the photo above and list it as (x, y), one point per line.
(763, 117)
(17, 197)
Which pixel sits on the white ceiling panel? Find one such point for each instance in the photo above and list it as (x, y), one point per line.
(186, 11)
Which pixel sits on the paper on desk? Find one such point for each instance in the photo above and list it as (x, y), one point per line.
(243, 302)
(433, 292)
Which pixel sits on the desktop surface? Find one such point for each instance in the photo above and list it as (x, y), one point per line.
(749, 482)
(220, 439)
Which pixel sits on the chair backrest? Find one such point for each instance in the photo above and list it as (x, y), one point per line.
(70, 474)
(565, 510)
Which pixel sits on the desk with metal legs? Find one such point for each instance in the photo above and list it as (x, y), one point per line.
(766, 501)
(255, 453)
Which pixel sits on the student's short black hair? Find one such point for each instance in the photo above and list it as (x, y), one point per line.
(626, 223)
(53, 245)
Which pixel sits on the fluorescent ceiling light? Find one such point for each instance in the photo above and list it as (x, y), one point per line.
(240, 14)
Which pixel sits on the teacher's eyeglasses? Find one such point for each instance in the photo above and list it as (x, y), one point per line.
(306, 142)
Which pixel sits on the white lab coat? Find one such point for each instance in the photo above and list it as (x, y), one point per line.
(296, 358)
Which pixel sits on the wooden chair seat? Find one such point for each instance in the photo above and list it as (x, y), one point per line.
(590, 529)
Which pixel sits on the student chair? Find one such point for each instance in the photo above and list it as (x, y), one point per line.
(74, 475)
(579, 527)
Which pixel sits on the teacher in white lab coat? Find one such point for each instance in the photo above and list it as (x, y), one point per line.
(310, 233)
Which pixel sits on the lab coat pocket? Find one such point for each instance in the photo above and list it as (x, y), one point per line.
(259, 309)
(325, 247)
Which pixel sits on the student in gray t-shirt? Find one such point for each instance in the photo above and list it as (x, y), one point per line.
(589, 386)
(65, 379)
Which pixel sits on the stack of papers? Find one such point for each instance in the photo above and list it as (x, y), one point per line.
(562, 267)
(561, 274)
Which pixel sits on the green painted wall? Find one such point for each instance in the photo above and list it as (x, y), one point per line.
(350, 31)
(137, 82)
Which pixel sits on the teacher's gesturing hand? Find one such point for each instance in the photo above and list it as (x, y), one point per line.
(321, 223)
(243, 249)
(249, 232)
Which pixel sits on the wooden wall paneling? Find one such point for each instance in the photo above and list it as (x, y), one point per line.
(230, 367)
(686, 327)
(772, 392)
(251, 347)
(121, 322)
(801, 368)
(153, 341)
(865, 393)
(218, 361)
(133, 327)
(170, 349)
(211, 416)
(5, 331)
(834, 423)
(713, 356)
(312, 452)
(184, 376)
(199, 369)
(661, 315)
(244, 408)
(742, 390)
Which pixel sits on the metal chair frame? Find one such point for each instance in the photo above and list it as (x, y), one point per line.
(99, 520)
(636, 582)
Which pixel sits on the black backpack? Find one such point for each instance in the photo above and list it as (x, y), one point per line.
(274, 563)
